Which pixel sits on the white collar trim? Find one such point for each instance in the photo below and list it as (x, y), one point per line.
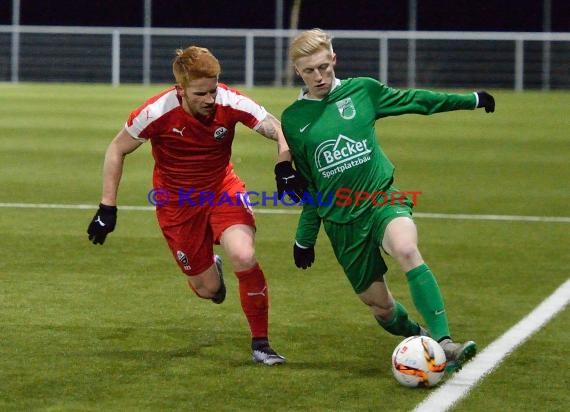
(303, 94)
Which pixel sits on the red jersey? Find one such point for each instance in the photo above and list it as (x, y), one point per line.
(189, 154)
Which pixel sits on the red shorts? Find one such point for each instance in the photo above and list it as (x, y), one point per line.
(191, 231)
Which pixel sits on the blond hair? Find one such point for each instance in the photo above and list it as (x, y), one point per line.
(194, 63)
(309, 42)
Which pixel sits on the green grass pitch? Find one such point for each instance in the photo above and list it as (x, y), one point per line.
(115, 328)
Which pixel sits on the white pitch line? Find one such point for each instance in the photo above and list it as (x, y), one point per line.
(65, 206)
(296, 210)
(484, 363)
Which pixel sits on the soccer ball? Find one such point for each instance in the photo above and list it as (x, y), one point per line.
(418, 361)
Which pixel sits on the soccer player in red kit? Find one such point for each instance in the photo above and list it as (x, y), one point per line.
(191, 128)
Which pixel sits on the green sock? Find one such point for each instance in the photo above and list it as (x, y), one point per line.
(428, 300)
(400, 324)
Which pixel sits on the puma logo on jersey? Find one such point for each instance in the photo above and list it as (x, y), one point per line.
(180, 132)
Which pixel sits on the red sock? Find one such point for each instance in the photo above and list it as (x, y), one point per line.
(254, 299)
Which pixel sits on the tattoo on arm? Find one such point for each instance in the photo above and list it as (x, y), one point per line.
(270, 127)
(267, 127)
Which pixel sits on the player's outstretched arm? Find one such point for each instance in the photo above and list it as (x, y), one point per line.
(105, 218)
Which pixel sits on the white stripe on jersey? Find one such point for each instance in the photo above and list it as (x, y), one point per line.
(153, 111)
(228, 97)
(224, 97)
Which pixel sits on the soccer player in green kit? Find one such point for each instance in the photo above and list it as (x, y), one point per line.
(330, 130)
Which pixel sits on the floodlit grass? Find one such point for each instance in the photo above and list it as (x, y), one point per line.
(114, 327)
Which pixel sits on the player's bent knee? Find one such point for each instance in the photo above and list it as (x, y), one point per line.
(406, 252)
(243, 260)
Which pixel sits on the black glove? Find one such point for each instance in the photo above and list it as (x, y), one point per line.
(487, 101)
(103, 222)
(304, 258)
(289, 181)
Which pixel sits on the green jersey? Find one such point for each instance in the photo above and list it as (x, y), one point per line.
(333, 143)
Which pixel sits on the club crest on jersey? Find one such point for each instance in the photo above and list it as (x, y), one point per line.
(182, 258)
(346, 108)
(337, 155)
(220, 133)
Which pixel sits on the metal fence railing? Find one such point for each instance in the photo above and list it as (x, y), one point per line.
(256, 57)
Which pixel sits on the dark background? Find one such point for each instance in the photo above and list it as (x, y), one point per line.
(472, 15)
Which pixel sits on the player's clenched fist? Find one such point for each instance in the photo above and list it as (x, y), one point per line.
(102, 223)
(303, 256)
(486, 100)
(289, 182)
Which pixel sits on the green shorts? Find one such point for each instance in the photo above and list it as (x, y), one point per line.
(357, 244)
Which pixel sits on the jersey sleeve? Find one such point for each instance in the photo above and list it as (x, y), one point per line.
(309, 222)
(242, 107)
(141, 122)
(135, 127)
(309, 225)
(394, 102)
